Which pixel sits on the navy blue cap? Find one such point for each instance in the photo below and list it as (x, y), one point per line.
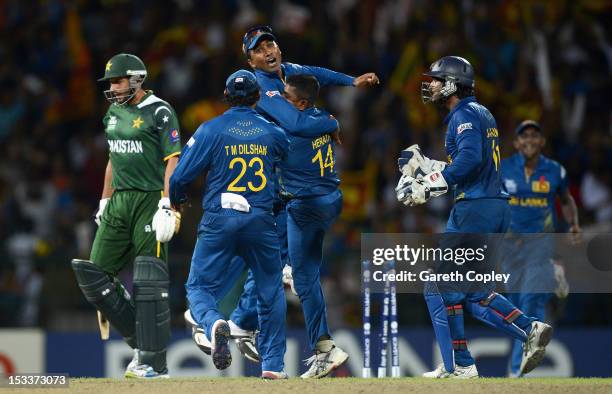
(253, 35)
(527, 124)
(242, 83)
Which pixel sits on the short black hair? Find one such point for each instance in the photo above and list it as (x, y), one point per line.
(306, 86)
(242, 101)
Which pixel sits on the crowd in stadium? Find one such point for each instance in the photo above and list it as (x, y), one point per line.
(548, 61)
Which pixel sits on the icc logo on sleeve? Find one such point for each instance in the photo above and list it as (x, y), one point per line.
(510, 186)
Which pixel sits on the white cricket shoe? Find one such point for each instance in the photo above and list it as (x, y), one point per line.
(237, 332)
(271, 375)
(248, 348)
(144, 371)
(535, 346)
(189, 319)
(221, 355)
(468, 372)
(129, 370)
(135, 370)
(324, 363)
(197, 333)
(246, 341)
(439, 373)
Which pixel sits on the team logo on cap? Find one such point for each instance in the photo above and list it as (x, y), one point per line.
(239, 79)
(272, 93)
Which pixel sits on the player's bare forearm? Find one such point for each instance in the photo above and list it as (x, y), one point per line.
(107, 190)
(570, 211)
(170, 166)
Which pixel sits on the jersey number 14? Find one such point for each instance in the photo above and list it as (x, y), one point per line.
(329, 160)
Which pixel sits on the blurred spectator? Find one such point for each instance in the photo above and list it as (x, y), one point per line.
(595, 189)
(12, 107)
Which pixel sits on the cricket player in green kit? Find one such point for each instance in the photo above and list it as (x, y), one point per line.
(135, 218)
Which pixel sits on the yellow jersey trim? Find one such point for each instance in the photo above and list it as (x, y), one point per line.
(171, 155)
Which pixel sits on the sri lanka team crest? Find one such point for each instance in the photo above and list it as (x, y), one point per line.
(174, 136)
(540, 186)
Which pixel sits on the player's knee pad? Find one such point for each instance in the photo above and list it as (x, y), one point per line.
(108, 296)
(151, 282)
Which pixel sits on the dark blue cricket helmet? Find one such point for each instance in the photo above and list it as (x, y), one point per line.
(453, 71)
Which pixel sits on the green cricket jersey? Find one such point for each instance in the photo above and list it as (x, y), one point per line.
(141, 138)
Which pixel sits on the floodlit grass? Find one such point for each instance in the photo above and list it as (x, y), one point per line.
(336, 386)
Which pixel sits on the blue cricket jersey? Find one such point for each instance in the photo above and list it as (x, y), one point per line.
(532, 200)
(309, 169)
(293, 121)
(472, 146)
(274, 106)
(239, 150)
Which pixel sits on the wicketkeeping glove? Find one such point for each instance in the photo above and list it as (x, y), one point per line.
(166, 221)
(98, 216)
(411, 191)
(403, 190)
(412, 163)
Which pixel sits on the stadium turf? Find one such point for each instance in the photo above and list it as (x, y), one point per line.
(335, 386)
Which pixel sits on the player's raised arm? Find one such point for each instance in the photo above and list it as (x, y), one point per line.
(294, 121)
(264, 56)
(327, 77)
(366, 80)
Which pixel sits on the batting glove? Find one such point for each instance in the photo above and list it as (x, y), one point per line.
(166, 221)
(98, 216)
(412, 163)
